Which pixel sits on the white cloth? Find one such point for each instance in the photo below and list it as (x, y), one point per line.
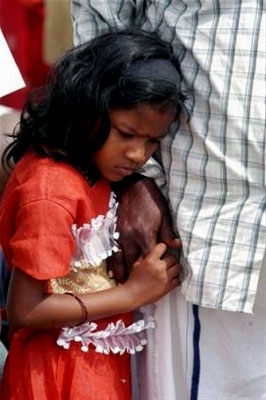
(232, 352)
(3, 355)
(10, 77)
(214, 175)
(214, 166)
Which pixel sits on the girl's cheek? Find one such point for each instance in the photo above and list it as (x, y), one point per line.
(151, 149)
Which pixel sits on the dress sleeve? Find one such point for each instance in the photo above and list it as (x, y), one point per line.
(43, 244)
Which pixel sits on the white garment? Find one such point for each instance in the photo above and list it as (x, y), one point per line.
(214, 170)
(232, 352)
(214, 164)
(10, 77)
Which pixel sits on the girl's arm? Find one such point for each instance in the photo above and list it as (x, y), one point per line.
(151, 278)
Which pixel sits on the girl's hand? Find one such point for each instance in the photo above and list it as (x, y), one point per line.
(153, 276)
(144, 220)
(29, 306)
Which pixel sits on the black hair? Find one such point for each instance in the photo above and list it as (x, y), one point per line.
(68, 118)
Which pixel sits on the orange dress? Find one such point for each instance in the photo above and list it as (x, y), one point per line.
(47, 215)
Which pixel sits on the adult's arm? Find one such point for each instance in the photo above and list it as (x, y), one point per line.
(143, 215)
(143, 220)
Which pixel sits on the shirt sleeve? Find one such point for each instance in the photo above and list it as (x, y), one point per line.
(42, 245)
(91, 17)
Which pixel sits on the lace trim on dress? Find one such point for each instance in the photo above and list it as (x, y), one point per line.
(115, 338)
(95, 241)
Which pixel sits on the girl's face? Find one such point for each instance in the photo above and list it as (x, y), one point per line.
(133, 137)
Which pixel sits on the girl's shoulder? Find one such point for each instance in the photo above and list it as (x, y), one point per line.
(44, 177)
(47, 175)
(38, 178)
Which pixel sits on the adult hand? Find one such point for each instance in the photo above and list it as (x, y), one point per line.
(143, 221)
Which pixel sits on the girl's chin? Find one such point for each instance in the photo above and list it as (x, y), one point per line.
(117, 175)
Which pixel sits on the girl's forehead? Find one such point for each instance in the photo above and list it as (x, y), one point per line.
(142, 120)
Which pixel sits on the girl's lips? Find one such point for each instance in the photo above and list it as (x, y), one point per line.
(125, 171)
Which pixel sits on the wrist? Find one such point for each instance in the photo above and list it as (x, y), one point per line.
(132, 295)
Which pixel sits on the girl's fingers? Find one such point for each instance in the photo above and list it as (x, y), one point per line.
(169, 260)
(158, 251)
(173, 272)
(174, 283)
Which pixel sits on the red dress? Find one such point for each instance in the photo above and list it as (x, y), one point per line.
(42, 201)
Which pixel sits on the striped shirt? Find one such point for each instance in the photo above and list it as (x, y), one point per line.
(214, 165)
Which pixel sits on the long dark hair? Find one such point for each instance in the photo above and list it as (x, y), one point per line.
(68, 119)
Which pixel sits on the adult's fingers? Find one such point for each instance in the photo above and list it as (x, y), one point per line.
(174, 244)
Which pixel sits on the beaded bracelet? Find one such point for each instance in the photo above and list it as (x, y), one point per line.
(85, 315)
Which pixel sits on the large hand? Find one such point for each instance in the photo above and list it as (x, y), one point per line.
(143, 221)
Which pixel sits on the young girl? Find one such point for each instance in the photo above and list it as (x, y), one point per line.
(105, 108)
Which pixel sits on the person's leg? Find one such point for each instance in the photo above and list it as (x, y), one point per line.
(165, 366)
(233, 352)
(197, 353)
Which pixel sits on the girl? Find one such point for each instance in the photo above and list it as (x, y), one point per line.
(105, 108)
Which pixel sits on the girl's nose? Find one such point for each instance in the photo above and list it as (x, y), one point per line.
(136, 155)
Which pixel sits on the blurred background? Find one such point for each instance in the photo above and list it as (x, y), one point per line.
(37, 32)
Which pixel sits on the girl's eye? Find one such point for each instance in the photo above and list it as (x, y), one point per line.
(126, 135)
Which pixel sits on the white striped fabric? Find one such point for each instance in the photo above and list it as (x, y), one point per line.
(214, 166)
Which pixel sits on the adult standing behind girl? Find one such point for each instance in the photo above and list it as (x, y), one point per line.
(105, 108)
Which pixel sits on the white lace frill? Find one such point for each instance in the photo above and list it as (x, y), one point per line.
(115, 338)
(95, 241)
